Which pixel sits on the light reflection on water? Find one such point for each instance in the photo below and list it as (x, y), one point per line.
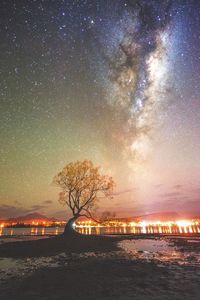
(41, 231)
(160, 251)
(139, 229)
(34, 231)
(157, 250)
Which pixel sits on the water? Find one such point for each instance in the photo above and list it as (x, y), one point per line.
(161, 250)
(9, 263)
(17, 268)
(139, 229)
(28, 231)
(45, 231)
(145, 245)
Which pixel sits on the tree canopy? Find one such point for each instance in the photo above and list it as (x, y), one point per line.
(82, 185)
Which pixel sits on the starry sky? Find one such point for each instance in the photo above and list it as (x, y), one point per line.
(113, 81)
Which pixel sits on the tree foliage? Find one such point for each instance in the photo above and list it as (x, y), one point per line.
(82, 185)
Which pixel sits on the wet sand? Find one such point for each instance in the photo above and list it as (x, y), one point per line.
(96, 268)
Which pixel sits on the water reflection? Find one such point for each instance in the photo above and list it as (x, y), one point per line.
(138, 229)
(156, 229)
(159, 250)
(31, 231)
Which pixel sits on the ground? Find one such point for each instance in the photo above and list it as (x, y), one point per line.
(99, 271)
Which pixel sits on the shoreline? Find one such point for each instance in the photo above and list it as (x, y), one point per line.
(35, 246)
(95, 267)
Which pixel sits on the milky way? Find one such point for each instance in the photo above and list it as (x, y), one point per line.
(116, 82)
(135, 50)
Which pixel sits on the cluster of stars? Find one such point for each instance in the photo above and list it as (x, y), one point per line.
(88, 79)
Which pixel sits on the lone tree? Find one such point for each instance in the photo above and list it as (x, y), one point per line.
(81, 186)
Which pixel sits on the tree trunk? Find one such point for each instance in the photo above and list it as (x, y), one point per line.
(69, 229)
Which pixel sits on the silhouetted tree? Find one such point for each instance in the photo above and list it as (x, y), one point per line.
(81, 186)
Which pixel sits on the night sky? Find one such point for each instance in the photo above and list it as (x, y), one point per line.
(113, 81)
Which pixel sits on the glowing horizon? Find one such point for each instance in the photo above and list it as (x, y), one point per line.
(105, 82)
